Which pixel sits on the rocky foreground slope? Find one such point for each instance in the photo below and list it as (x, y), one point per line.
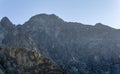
(24, 61)
(76, 47)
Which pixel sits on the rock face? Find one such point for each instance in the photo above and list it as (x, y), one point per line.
(8, 65)
(24, 61)
(19, 40)
(5, 27)
(78, 48)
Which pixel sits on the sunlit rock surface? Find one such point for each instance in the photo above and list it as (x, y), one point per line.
(24, 61)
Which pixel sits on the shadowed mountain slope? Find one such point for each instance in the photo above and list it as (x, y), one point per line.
(78, 48)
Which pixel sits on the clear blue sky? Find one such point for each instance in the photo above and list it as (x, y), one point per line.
(84, 11)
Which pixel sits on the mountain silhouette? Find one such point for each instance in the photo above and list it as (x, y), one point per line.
(76, 47)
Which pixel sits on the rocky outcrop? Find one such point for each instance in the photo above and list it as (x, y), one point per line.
(19, 40)
(8, 65)
(24, 61)
(7, 24)
(5, 27)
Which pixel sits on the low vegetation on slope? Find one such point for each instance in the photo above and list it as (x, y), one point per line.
(23, 61)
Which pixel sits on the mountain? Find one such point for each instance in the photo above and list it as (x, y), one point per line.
(76, 47)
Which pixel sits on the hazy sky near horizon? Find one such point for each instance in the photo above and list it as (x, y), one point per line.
(83, 11)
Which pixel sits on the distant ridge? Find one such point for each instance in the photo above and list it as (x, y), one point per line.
(47, 16)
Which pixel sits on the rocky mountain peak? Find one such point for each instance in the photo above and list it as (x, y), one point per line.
(6, 23)
(99, 25)
(102, 26)
(46, 18)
